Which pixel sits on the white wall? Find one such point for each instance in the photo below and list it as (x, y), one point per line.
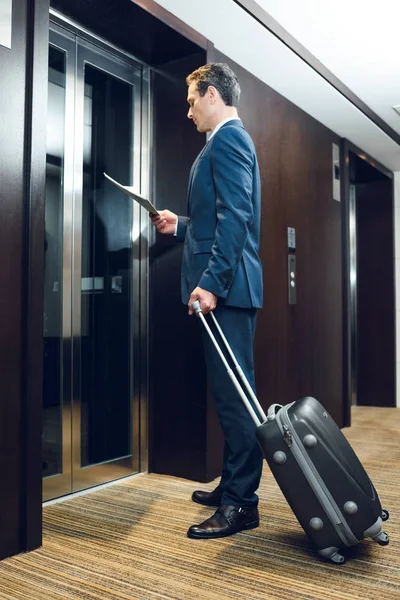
(397, 275)
(354, 40)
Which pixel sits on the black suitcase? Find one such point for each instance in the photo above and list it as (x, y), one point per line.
(317, 470)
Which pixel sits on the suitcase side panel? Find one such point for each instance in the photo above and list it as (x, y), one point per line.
(338, 465)
(296, 489)
(312, 413)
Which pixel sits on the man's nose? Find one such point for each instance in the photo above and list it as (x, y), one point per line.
(190, 115)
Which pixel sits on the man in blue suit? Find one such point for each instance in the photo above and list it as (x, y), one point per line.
(222, 270)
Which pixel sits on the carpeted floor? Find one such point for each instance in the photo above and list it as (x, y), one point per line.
(129, 541)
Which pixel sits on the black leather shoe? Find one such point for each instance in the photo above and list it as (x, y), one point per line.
(226, 521)
(208, 498)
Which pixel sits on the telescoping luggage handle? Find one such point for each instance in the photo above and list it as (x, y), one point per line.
(197, 309)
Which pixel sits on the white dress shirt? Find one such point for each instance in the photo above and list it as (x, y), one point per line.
(222, 123)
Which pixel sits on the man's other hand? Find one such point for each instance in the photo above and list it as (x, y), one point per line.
(165, 221)
(208, 301)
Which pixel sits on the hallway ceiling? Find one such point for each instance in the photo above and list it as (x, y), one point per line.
(357, 40)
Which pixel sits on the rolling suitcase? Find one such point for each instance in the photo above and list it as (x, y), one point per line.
(317, 470)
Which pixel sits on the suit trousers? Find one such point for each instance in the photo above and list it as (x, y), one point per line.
(242, 463)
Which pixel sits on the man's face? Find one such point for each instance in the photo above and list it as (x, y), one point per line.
(201, 108)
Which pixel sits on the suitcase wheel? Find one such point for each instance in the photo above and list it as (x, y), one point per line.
(337, 558)
(385, 515)
(332, 554)
(382, 539)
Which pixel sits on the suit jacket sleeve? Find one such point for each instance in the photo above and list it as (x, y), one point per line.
(181, 229)
(232, 160)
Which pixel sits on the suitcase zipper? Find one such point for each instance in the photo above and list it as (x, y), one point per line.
(313, 477)
(287, 436)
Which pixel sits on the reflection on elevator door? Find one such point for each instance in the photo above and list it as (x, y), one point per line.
(106, 328)
(91, 289)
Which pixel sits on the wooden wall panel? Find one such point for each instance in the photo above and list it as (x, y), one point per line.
(23, 76)
(298, 348)
(132, 27)
(12, 132)
(178, 389)
(33, 271)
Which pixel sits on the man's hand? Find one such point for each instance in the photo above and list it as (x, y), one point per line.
(208, 301)
(165, 221)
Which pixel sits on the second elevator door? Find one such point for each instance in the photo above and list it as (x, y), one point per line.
(95, 121)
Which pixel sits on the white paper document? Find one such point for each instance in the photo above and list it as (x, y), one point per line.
(130, 191)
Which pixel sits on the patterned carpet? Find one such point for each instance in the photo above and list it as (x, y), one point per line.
(129, 541)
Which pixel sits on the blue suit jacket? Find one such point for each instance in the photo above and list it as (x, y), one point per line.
(221, 234)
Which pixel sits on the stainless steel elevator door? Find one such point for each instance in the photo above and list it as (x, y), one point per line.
(96, 117)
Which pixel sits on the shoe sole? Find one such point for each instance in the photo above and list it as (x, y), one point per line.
(200, 536)
(205, 503)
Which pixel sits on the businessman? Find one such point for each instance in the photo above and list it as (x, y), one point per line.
(221, 268)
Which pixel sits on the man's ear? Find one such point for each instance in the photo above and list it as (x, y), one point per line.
(212, 93)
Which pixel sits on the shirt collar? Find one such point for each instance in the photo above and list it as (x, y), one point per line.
(222, 123)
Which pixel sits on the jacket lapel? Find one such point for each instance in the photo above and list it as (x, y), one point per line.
(192, 171)
(236, 122)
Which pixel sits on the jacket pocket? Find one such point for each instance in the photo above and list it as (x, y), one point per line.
(202, 246)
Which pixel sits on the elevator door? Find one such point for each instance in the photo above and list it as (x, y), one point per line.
(92, 269)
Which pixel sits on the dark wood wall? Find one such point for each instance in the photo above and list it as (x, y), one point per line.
(298, 348)
(181, 408)
(375, 346)
(134, 27)
(22, 156)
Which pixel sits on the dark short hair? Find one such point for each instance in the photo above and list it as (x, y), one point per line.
(220, 76)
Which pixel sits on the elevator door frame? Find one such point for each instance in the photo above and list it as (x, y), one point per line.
(349, 271)
(82, 48)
